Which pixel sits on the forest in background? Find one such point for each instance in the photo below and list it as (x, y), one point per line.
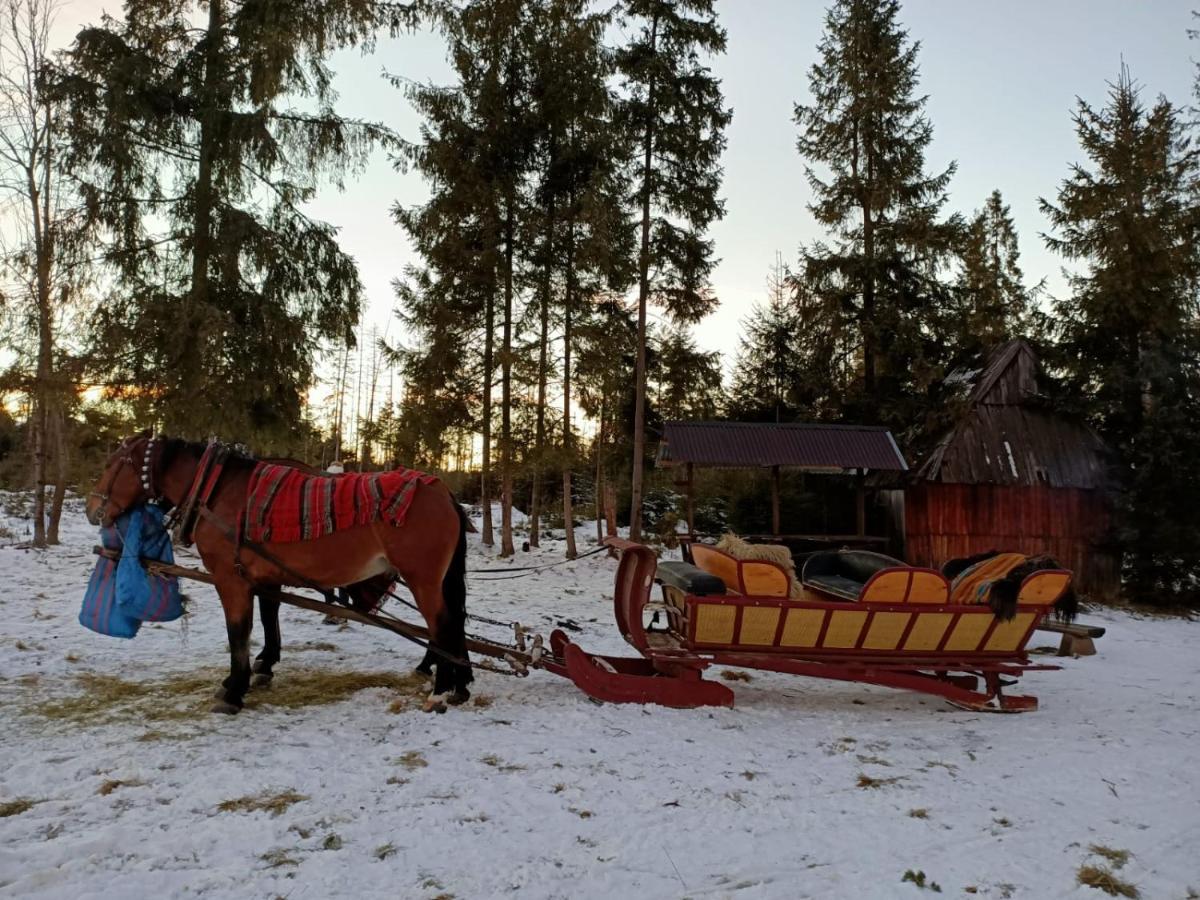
(160, 269)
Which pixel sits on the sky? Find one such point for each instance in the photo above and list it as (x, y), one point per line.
(1002, 80)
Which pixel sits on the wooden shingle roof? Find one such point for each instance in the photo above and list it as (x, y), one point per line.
(1010, 436)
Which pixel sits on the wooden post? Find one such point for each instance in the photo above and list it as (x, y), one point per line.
(691, 503)
(775, 501)
(860, 502)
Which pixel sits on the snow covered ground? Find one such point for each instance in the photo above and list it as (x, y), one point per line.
(806, 789)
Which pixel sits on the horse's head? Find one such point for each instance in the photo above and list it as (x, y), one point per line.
(127, 480)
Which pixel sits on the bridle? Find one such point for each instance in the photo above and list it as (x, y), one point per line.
(145, 475)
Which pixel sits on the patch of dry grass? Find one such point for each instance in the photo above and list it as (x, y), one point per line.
(1116, 858)
(113, 783)
(1106, 880)
(872, 760)
(866, 781)
(275, 804)
(482, 701)
(106, 698)
(500, 765)
(279, 857)
(411, 760)
(16, 807)
(920, 813)
(736, 675)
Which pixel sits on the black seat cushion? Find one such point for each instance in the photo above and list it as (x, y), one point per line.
(688, 578)
(844, 572)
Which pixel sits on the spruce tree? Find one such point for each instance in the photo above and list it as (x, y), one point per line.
(993, 304)
(195, 164)
(675, 115)
(686, 379)
(864, 135)
(582, 239)
(1130, 343)
(476, 150)
(765, 373)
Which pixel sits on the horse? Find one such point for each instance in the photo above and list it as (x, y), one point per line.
(428, 551)
(1003, 592)
(363, 596)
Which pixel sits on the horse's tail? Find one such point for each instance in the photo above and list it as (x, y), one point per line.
(1066, 607)
(454, 582)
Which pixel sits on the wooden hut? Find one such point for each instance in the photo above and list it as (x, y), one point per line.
(1014, 474)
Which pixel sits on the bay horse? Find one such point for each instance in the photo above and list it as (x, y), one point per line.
(428, 551)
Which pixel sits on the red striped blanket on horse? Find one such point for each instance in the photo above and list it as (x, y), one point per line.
(284, 504)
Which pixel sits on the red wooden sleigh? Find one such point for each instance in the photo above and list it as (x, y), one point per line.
(902, 631)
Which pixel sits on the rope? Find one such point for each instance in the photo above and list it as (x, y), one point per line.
(531, 569)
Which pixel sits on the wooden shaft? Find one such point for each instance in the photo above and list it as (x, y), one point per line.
(420, 632)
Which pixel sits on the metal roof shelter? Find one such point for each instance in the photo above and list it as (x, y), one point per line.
(797, 445)
(809, 447)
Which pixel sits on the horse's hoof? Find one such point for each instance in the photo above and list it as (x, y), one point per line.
(226, 708)
(262, 680)
(219, 693)
(257, 666)
(435, 704)
(459, 697)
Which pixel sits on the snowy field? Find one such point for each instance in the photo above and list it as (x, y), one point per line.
(806, 789)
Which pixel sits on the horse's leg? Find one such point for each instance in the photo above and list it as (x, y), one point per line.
(237, 599)
(425, 666)
(268, 609)
(447, 633)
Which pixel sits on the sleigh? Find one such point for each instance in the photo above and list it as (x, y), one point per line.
(875, 621)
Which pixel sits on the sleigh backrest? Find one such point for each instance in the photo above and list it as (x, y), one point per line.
(635, 576)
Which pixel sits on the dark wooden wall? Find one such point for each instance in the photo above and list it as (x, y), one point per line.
(944, 521)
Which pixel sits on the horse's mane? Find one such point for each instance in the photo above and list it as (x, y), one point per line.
(173, 448)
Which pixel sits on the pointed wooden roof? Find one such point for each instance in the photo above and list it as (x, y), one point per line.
(1009, 436)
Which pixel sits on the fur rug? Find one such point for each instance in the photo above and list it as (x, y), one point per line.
(777, 553)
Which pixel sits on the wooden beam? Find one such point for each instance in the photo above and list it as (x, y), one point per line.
(691, 502)
(860, 503)
(775, 501)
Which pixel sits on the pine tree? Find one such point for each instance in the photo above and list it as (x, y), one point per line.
(675, 113)
(993, 303)
(196, 168)
(1130, 341)
(865, 135)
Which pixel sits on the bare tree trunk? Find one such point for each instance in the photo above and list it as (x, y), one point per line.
(485, 495)
(539, 450)
(61, 461)
(39, 195)
(202, 213)
(506, 462)
(568, 302)
(600, 476)
(639, 409)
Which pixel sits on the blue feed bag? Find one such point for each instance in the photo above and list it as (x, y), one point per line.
(121, 595)
(150, 598)
(100, 611)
